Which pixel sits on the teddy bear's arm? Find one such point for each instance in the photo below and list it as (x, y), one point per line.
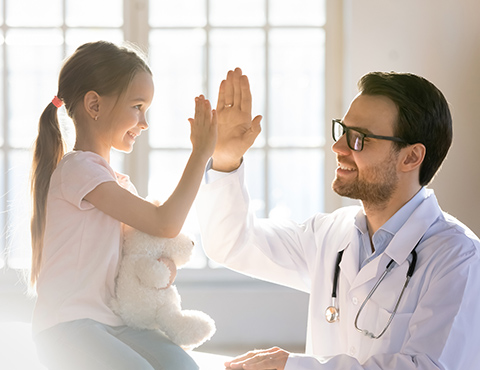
(153, 273)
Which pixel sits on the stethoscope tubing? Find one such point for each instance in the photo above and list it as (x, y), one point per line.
(332, 312)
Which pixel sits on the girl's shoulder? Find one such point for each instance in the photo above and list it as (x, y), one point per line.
(80, 162)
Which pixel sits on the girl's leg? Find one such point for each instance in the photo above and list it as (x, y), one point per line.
(86, 344)
(160, 352)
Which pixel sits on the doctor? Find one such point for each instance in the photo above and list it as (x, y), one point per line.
(394, 282)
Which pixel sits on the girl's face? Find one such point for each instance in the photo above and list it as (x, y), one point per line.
(128, 113)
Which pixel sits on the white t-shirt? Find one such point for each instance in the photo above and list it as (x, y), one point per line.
(82, 246)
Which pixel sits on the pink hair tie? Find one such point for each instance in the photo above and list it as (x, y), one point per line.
(57, 102)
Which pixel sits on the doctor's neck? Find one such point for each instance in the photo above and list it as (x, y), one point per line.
(379, 213)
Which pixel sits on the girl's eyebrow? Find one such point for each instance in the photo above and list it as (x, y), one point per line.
(140, 99)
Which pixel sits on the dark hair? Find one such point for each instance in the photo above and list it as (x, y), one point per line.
(423, 115)
(102, 67)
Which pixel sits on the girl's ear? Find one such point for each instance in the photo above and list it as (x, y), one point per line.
(413, 157)
(91, 103)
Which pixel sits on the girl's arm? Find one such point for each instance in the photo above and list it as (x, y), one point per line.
(167, 219)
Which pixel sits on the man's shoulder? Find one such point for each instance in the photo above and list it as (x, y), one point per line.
(341, 219)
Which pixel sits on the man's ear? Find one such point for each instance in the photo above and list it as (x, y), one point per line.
(91, 103)
(413, 156)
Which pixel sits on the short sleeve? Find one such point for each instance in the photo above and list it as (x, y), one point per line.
(81, 172)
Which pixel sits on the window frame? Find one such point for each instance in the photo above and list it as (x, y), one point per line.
(136, 29)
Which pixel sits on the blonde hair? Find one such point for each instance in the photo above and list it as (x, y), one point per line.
(102, 67)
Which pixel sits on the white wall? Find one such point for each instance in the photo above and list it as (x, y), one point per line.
(440, 40)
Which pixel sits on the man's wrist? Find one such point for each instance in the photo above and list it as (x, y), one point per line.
(225, 165)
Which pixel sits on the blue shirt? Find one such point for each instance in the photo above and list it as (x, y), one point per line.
(385, 234)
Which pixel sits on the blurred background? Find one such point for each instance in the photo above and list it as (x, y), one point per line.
(303, 58)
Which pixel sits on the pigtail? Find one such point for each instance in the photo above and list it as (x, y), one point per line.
(49, 148)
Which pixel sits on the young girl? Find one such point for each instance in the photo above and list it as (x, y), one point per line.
(80, 203)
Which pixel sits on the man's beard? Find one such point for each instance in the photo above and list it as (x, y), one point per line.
(375, 188)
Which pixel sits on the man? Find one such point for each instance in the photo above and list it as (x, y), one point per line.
(394, 283)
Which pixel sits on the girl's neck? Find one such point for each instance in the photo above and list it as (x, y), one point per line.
(88, 146)
(90, 140)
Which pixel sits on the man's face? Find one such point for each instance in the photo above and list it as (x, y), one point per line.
(371, 174)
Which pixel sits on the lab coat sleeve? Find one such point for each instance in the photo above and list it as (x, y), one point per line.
(279, 252)
(444, 329)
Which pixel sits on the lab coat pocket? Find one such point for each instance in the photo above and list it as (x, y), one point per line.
(396, 328)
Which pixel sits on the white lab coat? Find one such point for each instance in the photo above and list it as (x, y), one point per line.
(437, 325)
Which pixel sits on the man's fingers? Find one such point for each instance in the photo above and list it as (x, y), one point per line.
(221, 95)
(237, 90)
(246, 104)
(229, 89)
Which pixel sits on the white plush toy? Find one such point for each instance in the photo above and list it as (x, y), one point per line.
(141, 298)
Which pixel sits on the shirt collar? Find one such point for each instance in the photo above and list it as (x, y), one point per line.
(384, 235)
(398, 219)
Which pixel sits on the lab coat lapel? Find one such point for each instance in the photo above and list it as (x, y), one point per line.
(402, 243)
(350, 260)
(413, 230)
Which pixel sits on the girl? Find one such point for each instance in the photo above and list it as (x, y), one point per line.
(80, 204)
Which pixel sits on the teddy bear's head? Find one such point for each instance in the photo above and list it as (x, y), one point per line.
(178, 249)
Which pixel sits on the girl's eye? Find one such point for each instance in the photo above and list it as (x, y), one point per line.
(138, 107)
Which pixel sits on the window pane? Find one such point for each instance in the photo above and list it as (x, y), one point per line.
(177, 61)
(296, 87)
(18, 236)
(296, 183)
(238, 48)
(34, 57)
(166, 168)
(77, 37)
(177, 13)
(2, 66)
(255, 178)
(3, 202)
(34, 13)
(237, 12)
(297, 12)
(104, 13)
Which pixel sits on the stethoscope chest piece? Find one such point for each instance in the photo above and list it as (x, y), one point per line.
(331, 314)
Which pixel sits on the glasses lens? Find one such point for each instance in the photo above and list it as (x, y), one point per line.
(355, 140)
(337, 130)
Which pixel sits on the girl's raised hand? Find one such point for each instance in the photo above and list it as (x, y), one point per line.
(203, 128)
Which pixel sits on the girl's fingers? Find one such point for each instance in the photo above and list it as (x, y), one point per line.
(208, 110)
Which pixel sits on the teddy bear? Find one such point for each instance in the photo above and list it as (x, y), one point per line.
(144, 297)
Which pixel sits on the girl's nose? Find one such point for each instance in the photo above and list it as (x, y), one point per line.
(143, 123)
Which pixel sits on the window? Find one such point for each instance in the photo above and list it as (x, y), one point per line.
(191, 46)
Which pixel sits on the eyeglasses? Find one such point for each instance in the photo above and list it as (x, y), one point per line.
(356, 138)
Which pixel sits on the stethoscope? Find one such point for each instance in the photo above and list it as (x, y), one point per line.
(332, 313)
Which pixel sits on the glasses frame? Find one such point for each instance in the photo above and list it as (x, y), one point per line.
(348, 130)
